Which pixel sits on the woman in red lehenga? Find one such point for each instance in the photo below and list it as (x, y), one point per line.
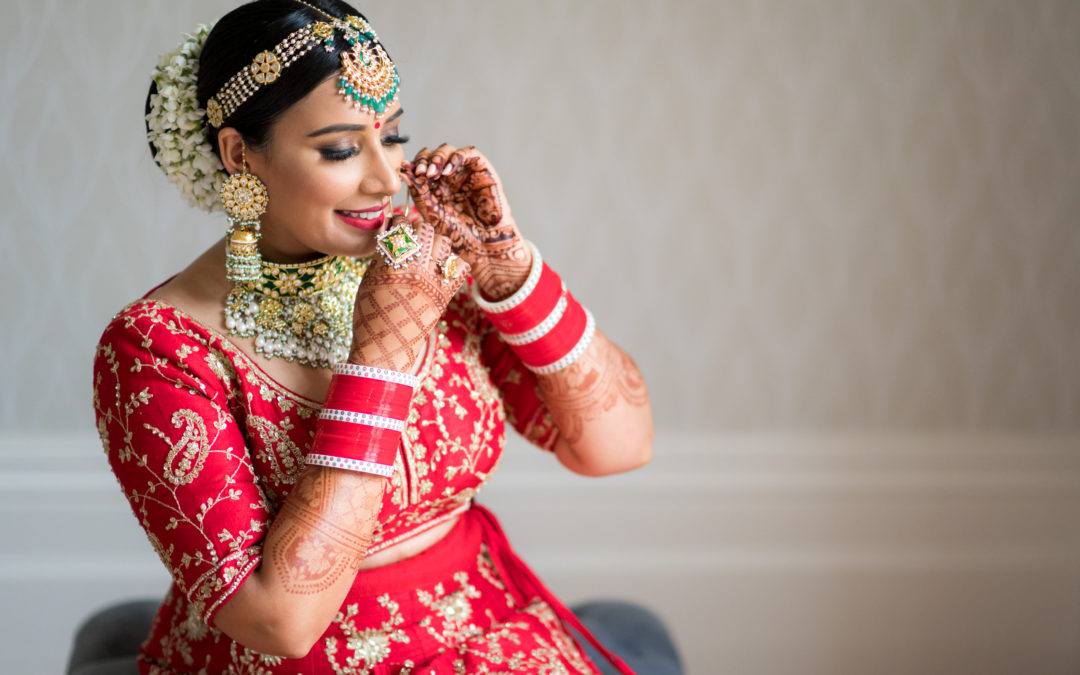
(303, 449)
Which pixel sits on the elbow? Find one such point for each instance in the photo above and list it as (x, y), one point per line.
(630, 456)
(641, 453)
(288, 637)
(288, 642)
(294, 642)
(296, 649)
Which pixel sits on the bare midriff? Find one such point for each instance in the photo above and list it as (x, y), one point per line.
(410, 547)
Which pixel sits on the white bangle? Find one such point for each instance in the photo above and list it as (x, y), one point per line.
(350, 464)
(543, 328)
(519, 296)
(575, 353)
(373, 373)
(362, 418)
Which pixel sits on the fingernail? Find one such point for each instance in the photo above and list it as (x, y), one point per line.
(433, 171)
(446, 169)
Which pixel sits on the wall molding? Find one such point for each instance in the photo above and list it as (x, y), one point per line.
(54, 483)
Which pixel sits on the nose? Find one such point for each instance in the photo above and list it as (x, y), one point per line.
(381, 177)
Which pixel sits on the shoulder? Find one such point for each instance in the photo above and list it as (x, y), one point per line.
(150, 342)
(148, 324)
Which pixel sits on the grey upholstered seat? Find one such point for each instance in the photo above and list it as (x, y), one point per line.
(107, 642)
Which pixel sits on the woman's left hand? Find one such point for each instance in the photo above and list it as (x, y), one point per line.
(459, 193)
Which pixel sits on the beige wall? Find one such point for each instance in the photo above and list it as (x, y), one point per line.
(841, 238)
(795, 215)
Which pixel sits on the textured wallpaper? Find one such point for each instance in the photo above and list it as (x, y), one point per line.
(795, 215)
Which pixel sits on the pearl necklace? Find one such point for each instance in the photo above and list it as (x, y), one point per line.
(301, 312)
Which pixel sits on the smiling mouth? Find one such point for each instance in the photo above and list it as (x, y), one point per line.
(371, 219)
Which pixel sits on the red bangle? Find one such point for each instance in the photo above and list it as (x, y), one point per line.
(542, 322)
(358, 447)
(557, 342)
(361, 394)
(360, 425)
(534, 308)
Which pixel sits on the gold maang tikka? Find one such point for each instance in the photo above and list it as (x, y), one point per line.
(369, 80)
(244, 198)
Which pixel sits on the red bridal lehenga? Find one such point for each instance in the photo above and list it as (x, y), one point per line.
(206, 446)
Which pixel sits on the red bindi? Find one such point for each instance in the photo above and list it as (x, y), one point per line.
(377, 125)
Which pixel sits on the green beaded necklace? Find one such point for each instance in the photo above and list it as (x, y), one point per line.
(300, 312)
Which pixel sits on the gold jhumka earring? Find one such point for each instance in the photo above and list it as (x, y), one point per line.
(244, 198)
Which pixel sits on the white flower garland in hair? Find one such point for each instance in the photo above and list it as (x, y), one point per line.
(176, 127)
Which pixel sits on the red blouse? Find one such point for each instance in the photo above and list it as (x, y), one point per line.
(206, 447)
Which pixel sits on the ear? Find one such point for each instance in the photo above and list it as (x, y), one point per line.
(231, 147)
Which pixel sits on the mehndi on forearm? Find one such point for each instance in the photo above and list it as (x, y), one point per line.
(602, 382)
(323, 530)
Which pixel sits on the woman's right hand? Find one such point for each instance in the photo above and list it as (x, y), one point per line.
(396, 309)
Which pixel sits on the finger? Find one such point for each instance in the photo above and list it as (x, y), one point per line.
(425, 234)
(438, 159)
(421, 161)
(461, 274)
(460, 247)
(440, 249)
(453, 163)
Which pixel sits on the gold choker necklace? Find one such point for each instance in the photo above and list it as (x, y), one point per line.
(302, 312)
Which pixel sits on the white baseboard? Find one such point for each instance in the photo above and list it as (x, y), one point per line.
(765, 553)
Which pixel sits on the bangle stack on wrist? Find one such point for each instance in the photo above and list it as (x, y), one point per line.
(360, 425)
(542, 322)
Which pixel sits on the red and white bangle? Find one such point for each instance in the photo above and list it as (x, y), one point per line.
(542, 322)
(360, 425)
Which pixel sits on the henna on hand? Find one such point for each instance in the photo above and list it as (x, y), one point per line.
(458, 191)
(396, 309)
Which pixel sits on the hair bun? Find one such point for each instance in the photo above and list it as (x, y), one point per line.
(175, 125)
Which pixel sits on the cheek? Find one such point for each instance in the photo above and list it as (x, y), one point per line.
(319, 186)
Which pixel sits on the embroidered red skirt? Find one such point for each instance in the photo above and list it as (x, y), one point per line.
(467, 604)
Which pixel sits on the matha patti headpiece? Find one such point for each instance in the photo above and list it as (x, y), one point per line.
(369, 79)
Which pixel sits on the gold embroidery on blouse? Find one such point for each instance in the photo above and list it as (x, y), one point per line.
(191, 449)
(285, 458)
(221, 367)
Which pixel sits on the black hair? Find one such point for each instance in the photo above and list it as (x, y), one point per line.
(244, 32)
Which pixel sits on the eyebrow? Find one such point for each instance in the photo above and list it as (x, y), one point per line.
(335, 128)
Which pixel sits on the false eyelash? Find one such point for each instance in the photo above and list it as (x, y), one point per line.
(342, 155)
(338, 155)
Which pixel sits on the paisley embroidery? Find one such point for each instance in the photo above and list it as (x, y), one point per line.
(191, 448)
(277, 449)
